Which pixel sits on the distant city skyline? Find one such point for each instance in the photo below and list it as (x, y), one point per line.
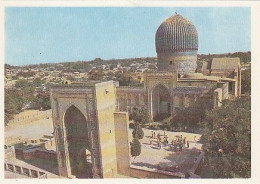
(52, 35)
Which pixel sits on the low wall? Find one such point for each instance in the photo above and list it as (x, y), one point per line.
(32, 173)
(45, 143)
(197, 166)
(32, 117)
(140, 172)
(51, 155)
(36, 153)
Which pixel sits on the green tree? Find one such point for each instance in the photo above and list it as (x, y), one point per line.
(135, 148)
(38, 82)
(26, 74)
(245, 57)
(41, 101)
(246, 81)
(13, 104)
(227, 140)
(188, 119)
(10, 109)
(95, 75)
(98, 60)
(26, 89)
(125, 79)
(23, 84)
(139, 115)
(138, 131)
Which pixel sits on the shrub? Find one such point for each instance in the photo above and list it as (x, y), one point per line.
(135, 148)
(138, 132)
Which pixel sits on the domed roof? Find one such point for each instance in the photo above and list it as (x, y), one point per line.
(176, 34)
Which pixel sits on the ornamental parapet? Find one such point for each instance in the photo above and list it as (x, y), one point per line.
(191, 89)
(130, 89)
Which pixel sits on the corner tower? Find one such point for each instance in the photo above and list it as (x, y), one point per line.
(176, 43)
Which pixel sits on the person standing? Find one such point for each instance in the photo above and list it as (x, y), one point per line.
(159, 144)
(159, 136)
(172, 145)
(166, 138)
(195, 140)
(180, 139)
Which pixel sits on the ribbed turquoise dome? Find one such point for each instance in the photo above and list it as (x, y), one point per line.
(176, 34)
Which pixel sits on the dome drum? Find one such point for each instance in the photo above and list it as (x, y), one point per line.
(183, 62)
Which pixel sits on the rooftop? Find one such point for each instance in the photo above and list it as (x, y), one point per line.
(225, 63)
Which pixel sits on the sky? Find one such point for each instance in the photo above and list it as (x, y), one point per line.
(36, 35)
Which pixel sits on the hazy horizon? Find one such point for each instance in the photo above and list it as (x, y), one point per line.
(57, 62)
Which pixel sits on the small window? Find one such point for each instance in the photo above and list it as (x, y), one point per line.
(170, 62)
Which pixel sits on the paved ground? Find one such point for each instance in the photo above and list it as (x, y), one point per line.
(19, 132)
(151, 156)
(11, 175)
(164, 158)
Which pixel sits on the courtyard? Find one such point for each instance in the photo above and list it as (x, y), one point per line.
(166, 159)
(151, 157)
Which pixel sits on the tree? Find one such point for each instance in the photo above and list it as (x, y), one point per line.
(26, 89)
(125, 79)
(95, 75)
(138, 131)
(10, 109)
(135, 148)
(246, 81)
(227, 140)
(188, 118)
(22, 84)
(13, 104)
(42, 101)
(98, 60)
(38, 82)
(139, 115)
(26, 74)
(245, 57)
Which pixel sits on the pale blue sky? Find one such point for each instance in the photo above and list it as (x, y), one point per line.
(45, 35)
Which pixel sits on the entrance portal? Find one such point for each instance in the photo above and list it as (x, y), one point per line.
(78, 144)
(161, 103)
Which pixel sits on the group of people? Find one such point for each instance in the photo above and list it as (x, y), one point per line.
(179, 143)
(176, 144)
